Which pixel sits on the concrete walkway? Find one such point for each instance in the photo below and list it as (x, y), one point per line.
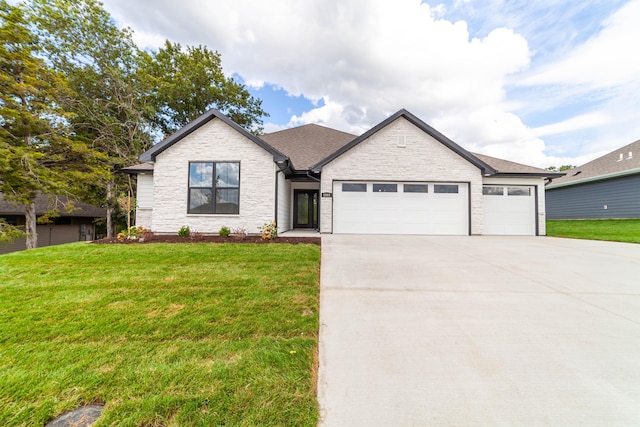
(479, 331)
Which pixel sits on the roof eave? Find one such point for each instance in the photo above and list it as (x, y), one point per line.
(526, 175)
(595, 178)
(150, 155)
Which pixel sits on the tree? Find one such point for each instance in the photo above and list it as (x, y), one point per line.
(101, 63)
(560, 169)
(186, 82)
(37, 154)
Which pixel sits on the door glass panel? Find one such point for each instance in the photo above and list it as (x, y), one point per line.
(315, 209)
(303, 209)
(488, 190)
(519, 191)
(445, 188)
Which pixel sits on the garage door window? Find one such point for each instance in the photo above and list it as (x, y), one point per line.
(492, 191)
(416, 188)
(385, 188)
(445, 188)
(354, 188)
(519, 191)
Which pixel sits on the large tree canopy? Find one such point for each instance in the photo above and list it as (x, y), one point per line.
(74, 84)
(186, 82)
(37, 152)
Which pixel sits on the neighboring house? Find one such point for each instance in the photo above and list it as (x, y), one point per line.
(607, 187)
(400, 177)
(68, 227)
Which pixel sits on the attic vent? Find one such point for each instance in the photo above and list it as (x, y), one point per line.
(402, 141)
(621, 158)
(577, 173)
(630, 156)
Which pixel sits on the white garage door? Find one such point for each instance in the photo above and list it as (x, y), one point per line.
(400, 208)
(509, 210)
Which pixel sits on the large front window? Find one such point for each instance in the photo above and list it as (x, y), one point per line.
(214, 187)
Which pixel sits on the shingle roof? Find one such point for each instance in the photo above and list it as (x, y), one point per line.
(623, 161)
(43, 204)
(150, 155)
(507, 167)
(308, 144)
(140, 168)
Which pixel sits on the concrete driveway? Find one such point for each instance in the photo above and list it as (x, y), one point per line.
(479, 331)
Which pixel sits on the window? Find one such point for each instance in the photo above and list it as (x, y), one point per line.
(356, 188)
(518, 191)
(385, 188)
(445, 188)
(492, 191)
(214, 196)
(416, 188)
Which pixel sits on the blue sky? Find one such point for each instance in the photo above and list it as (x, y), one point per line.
(543, 83)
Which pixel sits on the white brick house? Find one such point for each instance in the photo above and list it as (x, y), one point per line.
(400, 177)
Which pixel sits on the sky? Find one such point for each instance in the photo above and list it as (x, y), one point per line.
(543, 82)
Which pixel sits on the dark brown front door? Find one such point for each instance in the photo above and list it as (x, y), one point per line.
(305, 209)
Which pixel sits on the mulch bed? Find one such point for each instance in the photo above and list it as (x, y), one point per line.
(210, 239)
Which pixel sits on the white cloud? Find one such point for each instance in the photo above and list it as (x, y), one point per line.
(367, 59)
(582, 121)
(608, 59)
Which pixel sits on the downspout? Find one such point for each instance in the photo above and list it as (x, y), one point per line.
(275, 213)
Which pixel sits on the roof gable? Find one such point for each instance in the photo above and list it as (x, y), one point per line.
(484, 167)
(150, 155)
(308, 144)
(623, 161)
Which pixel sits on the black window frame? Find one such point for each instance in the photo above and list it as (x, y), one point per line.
(213, 188)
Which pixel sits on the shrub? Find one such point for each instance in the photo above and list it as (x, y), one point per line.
(224, 231)
(132, 233)
(269, 230)
(184, 231)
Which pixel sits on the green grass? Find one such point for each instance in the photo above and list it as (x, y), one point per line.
(163, 334)
(616, 230)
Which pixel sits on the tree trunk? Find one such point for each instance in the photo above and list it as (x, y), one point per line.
(110, 226)
(30, 226)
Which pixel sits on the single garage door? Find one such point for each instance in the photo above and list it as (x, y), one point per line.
(509, 210)
(401, 208)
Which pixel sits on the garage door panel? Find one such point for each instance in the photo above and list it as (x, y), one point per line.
(510, 211)
(401, 212)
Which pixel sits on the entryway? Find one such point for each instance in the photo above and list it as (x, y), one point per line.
(305, 209)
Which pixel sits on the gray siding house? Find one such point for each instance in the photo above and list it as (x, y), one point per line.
(607, 187)
(68, 227)
(400, 177)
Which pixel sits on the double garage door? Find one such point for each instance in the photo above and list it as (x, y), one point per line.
(401, 208)
(434, 208)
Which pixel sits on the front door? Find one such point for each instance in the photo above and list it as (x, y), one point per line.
(305, 209)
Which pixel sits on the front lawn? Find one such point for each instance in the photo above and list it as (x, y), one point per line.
(617, 230)
(163, 334)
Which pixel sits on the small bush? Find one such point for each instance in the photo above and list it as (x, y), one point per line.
(184, 231)
(224, 231)
(269, 230)
(132, 233)
(196, 236)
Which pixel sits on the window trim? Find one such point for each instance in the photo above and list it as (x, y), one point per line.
(384, 187)
(352, 189)
(435, 188)
(213, 187)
